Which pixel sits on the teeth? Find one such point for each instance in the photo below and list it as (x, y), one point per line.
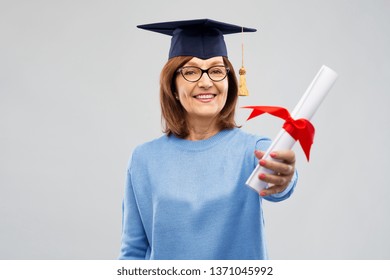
(204, 96)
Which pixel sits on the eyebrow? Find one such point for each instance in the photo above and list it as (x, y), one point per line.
(215, 63)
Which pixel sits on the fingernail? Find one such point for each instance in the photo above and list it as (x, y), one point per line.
(262, 176)
(273, 154)
(263, 193)
(262, 162)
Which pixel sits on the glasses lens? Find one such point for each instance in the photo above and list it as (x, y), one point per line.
(191, 74)
(217, 73)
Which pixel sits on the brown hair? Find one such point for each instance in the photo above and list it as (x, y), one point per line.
(173, 113)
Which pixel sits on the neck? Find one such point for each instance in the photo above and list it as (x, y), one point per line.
(201, 130)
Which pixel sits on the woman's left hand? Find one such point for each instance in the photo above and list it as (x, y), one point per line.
(284, 168)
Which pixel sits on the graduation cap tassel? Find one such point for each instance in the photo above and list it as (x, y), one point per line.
(242, 89)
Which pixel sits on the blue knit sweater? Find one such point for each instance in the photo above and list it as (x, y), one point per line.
(188, 199)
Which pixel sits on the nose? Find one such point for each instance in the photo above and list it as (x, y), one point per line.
(205, 81)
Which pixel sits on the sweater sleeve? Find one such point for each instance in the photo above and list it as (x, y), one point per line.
(263, 144)
(134, 241)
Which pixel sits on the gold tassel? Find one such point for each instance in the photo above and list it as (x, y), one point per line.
(242, 89)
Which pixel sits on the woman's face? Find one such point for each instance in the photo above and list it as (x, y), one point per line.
(205, 98)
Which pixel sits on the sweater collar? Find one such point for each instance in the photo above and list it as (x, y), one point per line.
(205, 144)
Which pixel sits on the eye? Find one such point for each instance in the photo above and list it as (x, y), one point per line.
(190, 71)
(217, 71)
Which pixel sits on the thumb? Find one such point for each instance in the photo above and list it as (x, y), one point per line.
(259, 154)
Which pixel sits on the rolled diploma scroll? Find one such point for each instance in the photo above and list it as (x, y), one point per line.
(305, 109)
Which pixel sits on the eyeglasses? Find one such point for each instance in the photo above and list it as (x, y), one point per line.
(194, 74)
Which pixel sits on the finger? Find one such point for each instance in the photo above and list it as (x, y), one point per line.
(259, 154)
(277, 167)
(288, 156)
(274, 179)
(272, 190)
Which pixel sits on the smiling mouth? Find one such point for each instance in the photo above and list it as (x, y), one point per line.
(205, 96)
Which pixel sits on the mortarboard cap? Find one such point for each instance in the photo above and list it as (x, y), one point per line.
(202, 38)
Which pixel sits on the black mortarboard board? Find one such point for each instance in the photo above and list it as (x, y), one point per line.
(202, 38)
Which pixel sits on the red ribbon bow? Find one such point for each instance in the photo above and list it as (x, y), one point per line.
(301, 130)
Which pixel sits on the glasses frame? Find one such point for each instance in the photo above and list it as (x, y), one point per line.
(203, 71)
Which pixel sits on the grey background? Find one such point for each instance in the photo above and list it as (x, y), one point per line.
(79, 90)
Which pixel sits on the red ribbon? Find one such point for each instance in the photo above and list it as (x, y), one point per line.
(301, 130)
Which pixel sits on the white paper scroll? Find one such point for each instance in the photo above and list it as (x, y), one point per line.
(305, 109)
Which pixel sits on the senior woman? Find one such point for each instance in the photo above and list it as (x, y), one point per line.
(185, 194)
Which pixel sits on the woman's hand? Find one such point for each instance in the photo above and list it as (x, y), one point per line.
(284, 168)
